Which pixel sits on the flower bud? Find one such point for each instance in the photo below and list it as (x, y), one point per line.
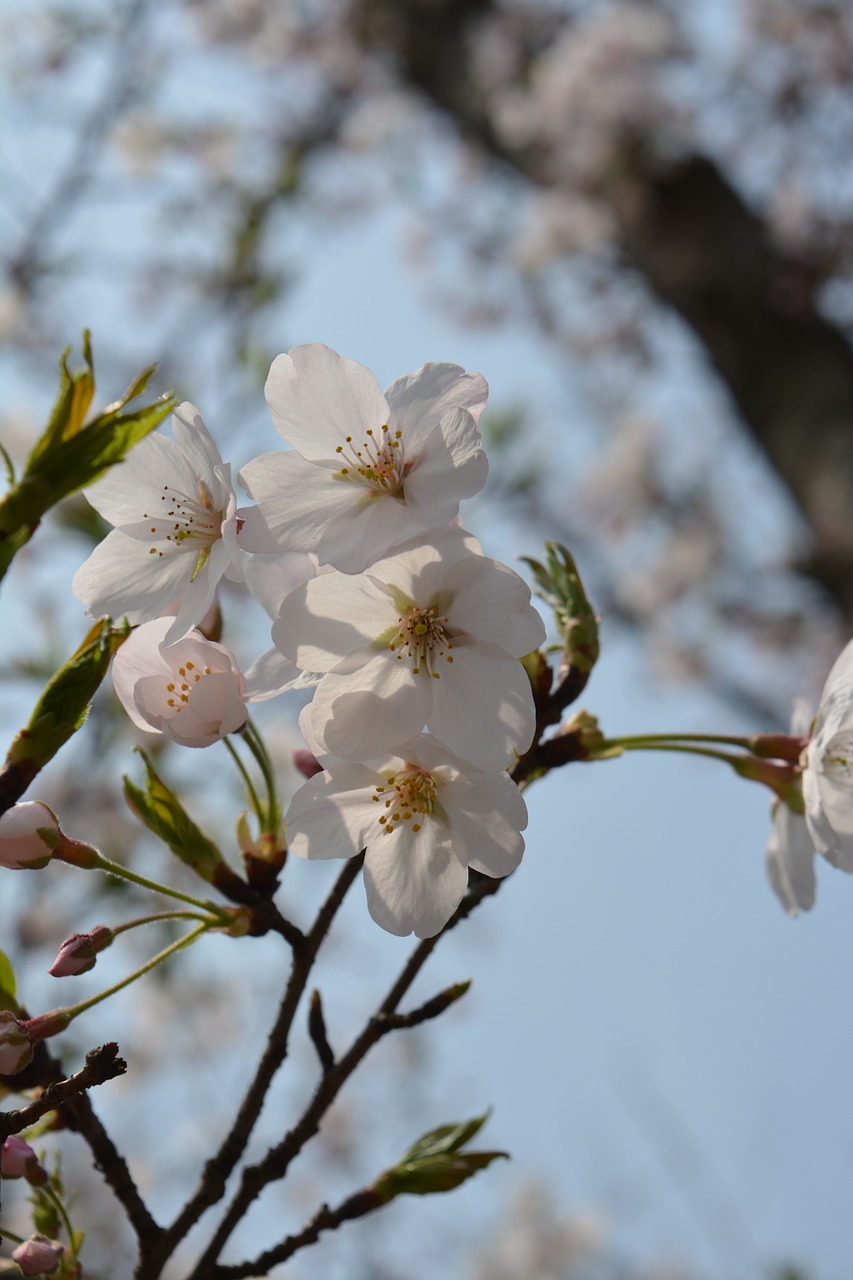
(21, 845)
(306, 762)
(18, 1160)
(16, 1049)
(78, 953)
(38, 1256)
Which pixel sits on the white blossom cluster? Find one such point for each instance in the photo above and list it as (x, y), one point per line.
(409, 632)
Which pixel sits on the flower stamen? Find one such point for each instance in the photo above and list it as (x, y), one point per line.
(424, 637)
(413, 793)
(379, 464)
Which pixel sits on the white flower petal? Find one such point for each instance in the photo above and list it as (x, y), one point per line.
(483, 707)
(271, 674)
(325, 619)
(451, 466)
(121, 578)
(489, 814)
(363, 712)
(415, 882)
(135, 485)
(329, 817)
(419, 400)
(317, 399)
(492, 602)
(297, 499)
(790, 856)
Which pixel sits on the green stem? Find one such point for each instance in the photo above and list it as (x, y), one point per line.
(782, 777)
(640, 740)
(71, 1011)
(51, 1195)
(124, 873)
(250, 786)
(657, 742)
(161, 915)
(257, 746)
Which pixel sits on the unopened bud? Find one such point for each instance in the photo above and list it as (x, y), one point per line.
(16, 1049)
(38, 1256)
(18, 1160)
(79, 952)
(26, 832)
(306, 762)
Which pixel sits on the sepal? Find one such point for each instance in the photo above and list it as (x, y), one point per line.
(161, 811)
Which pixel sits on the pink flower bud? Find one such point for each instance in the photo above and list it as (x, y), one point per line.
(38, 1256)
(15, 1047)
(77, 953)
(306, 762)
(18, 1160)
(21, 846)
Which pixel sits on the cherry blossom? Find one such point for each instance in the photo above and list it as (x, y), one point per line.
(429, 635)
(191, 691)
(21, 846)
(828, 767)
(176, 529)
(368, 470)
(424, 817)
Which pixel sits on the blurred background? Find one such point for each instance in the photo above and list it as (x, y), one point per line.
(636, 219)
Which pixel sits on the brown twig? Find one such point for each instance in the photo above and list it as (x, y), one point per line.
(219, 1168)
(275, 1163)
(326, 1219)
(102, 1064)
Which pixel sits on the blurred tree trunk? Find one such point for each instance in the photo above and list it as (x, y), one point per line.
(704, 253)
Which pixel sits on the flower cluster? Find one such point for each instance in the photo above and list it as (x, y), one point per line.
(379, 599)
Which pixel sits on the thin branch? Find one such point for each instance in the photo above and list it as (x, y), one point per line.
(326, 1219)
(219, 1168)
(101, 1065)
(275, 1163)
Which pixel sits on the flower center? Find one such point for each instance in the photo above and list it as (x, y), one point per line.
(406, 797)
(379, 464)
(185, 524)
(423, 637)
(178, 688)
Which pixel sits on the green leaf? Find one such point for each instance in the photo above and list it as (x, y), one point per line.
(445, 1139)
(7, 976)
(161, 811)
(437, 1163)
(559, 584)
(72, 453)
(61, 709)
